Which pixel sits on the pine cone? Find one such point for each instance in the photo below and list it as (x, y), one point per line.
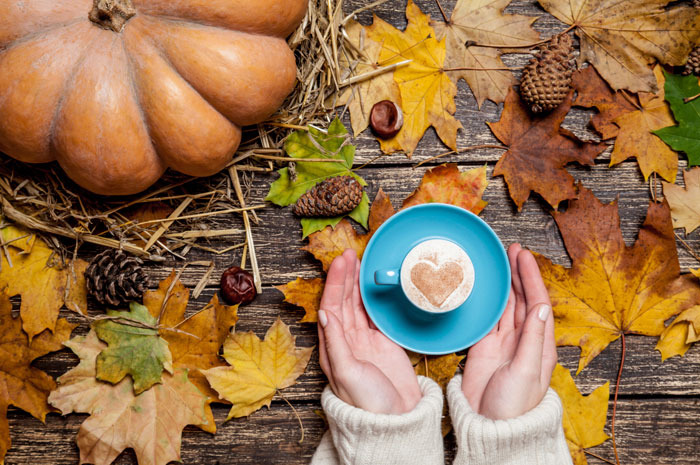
(692, 66)
(332, 197)
(546, 80)
(696, 3)
(115, 278)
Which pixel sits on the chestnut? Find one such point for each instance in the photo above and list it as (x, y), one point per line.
(238, 286)
(386, 119)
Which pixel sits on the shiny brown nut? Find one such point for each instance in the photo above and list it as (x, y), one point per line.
(237, 286)
(386, 119)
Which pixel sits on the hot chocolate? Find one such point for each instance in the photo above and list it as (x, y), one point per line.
(437, 275)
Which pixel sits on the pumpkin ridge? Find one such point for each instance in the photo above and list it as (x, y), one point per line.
(66, 88)
(33, 35)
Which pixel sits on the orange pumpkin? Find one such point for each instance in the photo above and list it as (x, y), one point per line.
(119, 90)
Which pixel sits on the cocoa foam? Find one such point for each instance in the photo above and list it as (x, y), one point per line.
(437, 275)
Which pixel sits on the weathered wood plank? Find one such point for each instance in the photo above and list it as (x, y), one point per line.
(278, 237)
(659, 431)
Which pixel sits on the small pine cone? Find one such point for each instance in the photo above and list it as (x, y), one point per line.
(115, 278)
(692, 66)
(546, 80)
(696, 3)
(332, 197)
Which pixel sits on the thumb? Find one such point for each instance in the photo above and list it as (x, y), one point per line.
(339, 353)
(528, 355)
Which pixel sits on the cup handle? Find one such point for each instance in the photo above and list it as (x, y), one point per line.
(386, 277)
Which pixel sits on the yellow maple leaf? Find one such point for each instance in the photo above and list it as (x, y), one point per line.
(427, 93)
(361, 97)
(194, 341)
(680, 334)
(150, 423)
(258, 368)
(483, 22)
(685, 203)
(584, 416)
(612, 289)
(622, 40)
(29, 269)
(24, 385)
(305, 293)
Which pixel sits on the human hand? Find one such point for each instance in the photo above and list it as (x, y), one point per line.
(365, 369)
(508, 372)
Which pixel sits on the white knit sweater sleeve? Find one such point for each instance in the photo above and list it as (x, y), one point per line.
(357, 437)
(534, 438)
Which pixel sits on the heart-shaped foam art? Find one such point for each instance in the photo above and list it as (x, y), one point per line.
(437, 283)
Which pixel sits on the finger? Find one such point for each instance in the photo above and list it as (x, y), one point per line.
(520, 304)
(361, 320)
(322, 352)
(534, 288)
(350, 257)
(549, 352)
(339, 354)
(506, 321)
(528, 355)
(332, 298)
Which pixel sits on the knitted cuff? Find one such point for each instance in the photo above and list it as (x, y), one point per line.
(362, 437)
(536, 437)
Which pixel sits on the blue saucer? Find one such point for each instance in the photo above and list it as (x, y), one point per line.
(397, 317)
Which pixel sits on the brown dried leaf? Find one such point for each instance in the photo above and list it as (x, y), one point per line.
(685, 203)
(483, 22)
(631, 119)
(612, 289)
(539, 149)
(23, 385)
(622, 40)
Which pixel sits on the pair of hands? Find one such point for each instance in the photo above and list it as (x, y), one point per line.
(507, 373)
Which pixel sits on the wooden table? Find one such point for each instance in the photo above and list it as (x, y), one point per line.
(659, 404)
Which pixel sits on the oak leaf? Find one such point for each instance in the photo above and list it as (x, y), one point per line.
(333, 145)
(361, 97)
(29, 269)
(584, 416)
(446, 184)
(685, 137)
(612, 289)
(135, 348)
(483, 22)
(150, 423)
(259, 369)
(680, 334)
(427, 93)
(193, 340)
(632, 120)
(622, 41)
(23, 385)
(538, 151)
(305, 293)
(685, 203)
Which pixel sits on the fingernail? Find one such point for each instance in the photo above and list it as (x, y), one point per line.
(543, 312)
(322, 318)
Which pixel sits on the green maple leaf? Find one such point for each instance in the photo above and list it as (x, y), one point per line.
(685, 137)
(133, 350)
(314, 143)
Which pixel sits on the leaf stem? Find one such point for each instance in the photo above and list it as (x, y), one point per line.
(617, 387)
(532, 45)
(301, 424)
(444, 16)
(464, 149)
(598, 457)
(467, 68)
(690, 99)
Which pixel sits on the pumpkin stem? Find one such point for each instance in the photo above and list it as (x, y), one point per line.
(112, 14)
